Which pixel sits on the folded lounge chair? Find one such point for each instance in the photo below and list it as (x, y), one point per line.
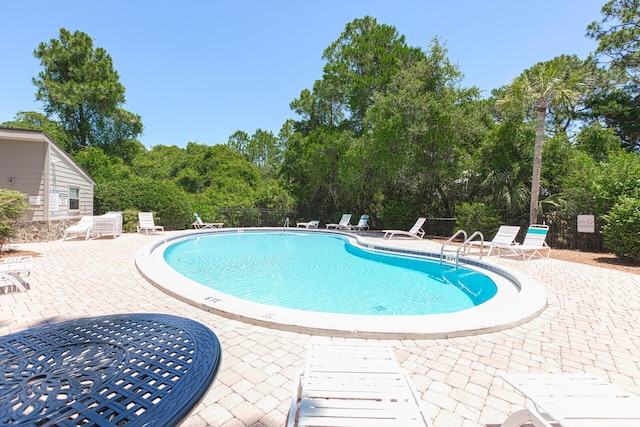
(362, 224)
(354, 385)
(201, 224)
(109, 224)
(572, 400)
(343, 224)
(310, 224)
(416, 231)
(146, 223)
(83, 228)
(534, 243)
(12, 273)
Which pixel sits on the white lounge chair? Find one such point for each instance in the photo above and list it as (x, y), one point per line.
(362, 224)
(343, 224)
(310, 224)
(147, 224)
(416, 231)
(201, 224)
(354, 385)
(533, 244)
(12, 273)
(572, 400)
(505, 237)
(83, 228)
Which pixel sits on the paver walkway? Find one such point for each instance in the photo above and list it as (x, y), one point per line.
(592, 324)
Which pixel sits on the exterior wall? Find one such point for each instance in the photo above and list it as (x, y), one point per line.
(63, 176)
(31, 163)
(22, 169)
(41, 231)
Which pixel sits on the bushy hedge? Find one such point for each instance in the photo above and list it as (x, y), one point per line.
(12, 206)
(397, 215)
(472, 217)
(170, 204)
(621, 233)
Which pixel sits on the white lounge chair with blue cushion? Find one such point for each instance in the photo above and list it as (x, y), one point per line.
(362, 224)
(147, 224)
(572, 400)
(343, 224)
(534, 243)
(310, 224)
(354, 384)
(198, 223)
(416, 231)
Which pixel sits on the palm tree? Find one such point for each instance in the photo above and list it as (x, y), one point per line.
(555, 83)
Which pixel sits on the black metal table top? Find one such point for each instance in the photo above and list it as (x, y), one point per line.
(129, 369)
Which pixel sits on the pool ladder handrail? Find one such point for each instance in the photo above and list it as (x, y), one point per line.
(286, 223)
(470, 239)
(451, 239)
(465, 246)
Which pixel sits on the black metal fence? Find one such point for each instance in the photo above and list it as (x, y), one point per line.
(440, 227)
(563, 233)
(255, 217)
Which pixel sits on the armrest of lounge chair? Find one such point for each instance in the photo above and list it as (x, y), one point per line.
(19, 265)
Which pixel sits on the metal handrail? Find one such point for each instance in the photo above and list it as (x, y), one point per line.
(470, 239)
(451, 239)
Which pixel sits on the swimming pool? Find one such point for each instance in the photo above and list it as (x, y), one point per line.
(325, 273)
(518, 298)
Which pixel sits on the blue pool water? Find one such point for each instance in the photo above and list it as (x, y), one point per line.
(325, 273)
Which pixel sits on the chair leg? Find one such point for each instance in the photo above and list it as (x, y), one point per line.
(292, 417)
(524, 416)
(15, 280)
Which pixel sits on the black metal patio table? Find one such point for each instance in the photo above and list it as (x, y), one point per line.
(129, 369)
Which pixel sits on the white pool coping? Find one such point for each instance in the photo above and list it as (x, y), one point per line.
(518, 300)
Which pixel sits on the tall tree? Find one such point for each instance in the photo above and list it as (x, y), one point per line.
(422, 129)
(37, 121)
(503, 167)
(80, 87)
(618, 36)
(262, 148)
(361, 63)
(554, 83)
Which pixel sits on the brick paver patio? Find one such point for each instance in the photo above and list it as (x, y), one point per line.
(591, 324)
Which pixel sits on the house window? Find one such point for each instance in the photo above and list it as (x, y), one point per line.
(74, 198)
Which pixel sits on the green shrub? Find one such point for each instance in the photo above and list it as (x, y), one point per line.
(130, 220)
(12, 206)
(472, 217)
(621, 232)
(399, 215)
(170, 204)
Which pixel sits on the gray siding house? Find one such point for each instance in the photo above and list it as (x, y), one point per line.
(59, 191)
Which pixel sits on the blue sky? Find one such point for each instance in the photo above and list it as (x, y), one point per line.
(200, 70)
